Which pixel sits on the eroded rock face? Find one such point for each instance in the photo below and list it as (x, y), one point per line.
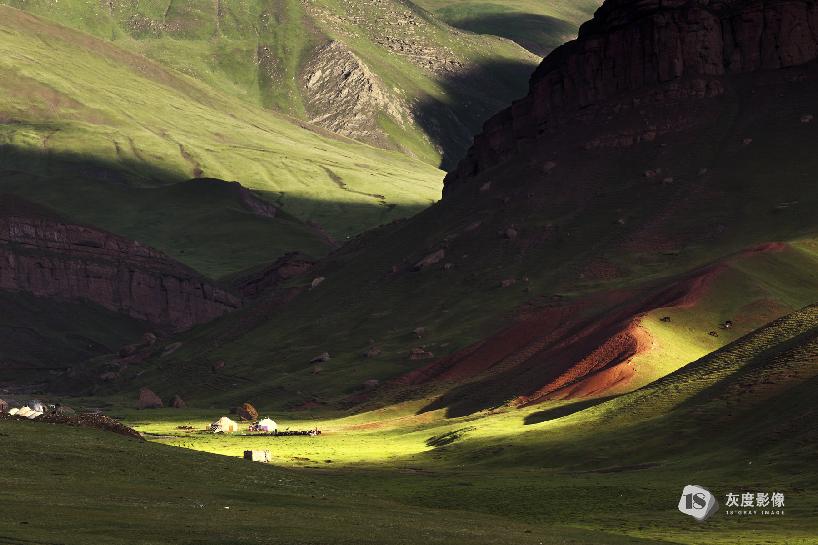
(658, 49)
(343, 95)
(51, 258)
(286, 267)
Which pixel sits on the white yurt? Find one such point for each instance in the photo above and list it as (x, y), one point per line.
(267, 425)
(224, 425)
(24, 411)
(14, 411)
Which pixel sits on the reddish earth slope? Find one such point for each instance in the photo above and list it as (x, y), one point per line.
(46, 256)
(566, 350)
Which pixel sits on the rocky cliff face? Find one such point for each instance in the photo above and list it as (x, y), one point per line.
(647, 50)
(344, 96)
(48, 257)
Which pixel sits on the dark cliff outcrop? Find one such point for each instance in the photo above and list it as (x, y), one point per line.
(256, 283)
(657, 49)
(47, 256)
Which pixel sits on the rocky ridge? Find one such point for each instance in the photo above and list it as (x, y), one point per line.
(647, 51)
(49, 257)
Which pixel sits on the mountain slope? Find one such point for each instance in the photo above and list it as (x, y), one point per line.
(95, 132)
(538, 26)
(537, 219)
(418, 85)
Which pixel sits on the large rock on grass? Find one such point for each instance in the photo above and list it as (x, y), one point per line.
(148, 400)
(247, 412)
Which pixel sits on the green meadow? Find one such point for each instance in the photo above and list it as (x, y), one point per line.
(560, 472)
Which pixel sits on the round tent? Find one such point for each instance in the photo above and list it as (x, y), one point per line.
(224, 425)
(267, 425)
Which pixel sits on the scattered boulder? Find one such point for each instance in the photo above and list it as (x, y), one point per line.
(316, 282)
(665, 319)
(485, 187)
(419, 332)
(429, 260)
(508, 282)
(178, 403)
(667, 181)
(747, 141)
(713, 334)
(148, 400)
(371, 384)
(448, 266)
(148, 340)
(247, 412)
(548, 166)
(420, 353)
(170, 349)
(704, 171)
(108, 376)
(510, 233)
(652, 173)
(372, 352)
(128, 350)
(807, 118)
(317, 369)
(472, 226)
(218, 366)
(321, 358)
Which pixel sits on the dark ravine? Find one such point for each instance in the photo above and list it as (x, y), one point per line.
(656, 50)
(49, 257)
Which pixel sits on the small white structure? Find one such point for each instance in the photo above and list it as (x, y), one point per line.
(14, 411)
(257, 455)
(267, 425)
(224, 425)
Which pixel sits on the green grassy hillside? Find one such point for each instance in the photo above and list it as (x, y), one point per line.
(101, 134)
(41, 337)
(260, 52)
(538, 26)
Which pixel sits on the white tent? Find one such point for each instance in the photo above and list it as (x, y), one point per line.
(24, 411)
(267, 425)
(34, 414)
(14, 411)
(224, 425)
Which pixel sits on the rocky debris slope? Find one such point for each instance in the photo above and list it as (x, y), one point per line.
(650, 51)
(83, 420)
(396, 27)
(344, 96)
(49, 257)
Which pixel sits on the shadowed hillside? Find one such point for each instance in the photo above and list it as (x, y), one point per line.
(539, 275)
(88, 128)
